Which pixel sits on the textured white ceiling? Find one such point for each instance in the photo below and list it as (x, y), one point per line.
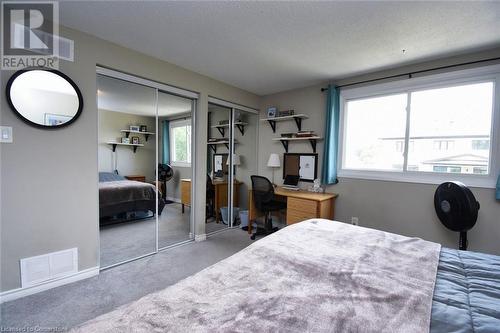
(266, 47)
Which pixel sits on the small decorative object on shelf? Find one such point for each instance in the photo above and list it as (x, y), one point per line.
(271, 112)
(144, 128)
(285, 113)
(134, 128)
(126, 140)
(287, 135)
(135, 140)
(224, 122)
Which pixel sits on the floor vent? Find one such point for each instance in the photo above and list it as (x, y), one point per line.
(50, 266)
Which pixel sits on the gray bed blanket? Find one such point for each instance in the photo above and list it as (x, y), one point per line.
(125, 195)
(314, 276)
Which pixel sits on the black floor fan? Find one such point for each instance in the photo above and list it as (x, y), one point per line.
(457, 209)
(165, 173)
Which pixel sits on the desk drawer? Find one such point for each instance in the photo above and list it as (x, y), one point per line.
(300, 209)
(186, 192)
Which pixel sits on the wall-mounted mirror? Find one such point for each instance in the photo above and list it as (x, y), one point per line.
(44, 98)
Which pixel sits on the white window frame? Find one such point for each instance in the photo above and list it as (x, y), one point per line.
(456, 78)
(180, 123)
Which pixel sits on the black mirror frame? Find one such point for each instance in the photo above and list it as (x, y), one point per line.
(64, 76)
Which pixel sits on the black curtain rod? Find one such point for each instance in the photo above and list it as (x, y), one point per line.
(410, 74)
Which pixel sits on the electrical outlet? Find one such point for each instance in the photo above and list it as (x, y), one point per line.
(354, 220)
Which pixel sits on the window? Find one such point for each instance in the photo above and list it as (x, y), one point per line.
(480, 170)
(443, 144)
(428, 128)
(180, 143)
(480, 144)
(373, 125)
(399, 146)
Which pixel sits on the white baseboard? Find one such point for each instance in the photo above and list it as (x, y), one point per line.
(13, 294)
(200, 238)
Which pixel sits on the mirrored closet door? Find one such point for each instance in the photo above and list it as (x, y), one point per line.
(175, 123)
(245, 129)
(146, 162)
(231, 160)
(218, 150)
(128, 203)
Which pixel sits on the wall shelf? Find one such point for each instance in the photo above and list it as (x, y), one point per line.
(114, 144)
(312, 141)
(224, 142)
(222, 128)
(296, 117)
(146, 134)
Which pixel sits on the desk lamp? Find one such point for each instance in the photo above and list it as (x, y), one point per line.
(274, 162)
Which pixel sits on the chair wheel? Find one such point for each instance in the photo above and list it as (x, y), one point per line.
(252, 237)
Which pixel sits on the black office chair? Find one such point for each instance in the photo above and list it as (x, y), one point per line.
(210, 210)
(264, 200)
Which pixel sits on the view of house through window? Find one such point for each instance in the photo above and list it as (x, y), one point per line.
(180, 142)
(449, 131)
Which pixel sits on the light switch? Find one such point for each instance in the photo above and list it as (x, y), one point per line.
(6, 134)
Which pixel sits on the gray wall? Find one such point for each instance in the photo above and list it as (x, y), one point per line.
(142, 162)
(403, 208)
(49, 178)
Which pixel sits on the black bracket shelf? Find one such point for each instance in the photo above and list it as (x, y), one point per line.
(285, 144)
(221, 131)
(134, 147)
(313, 144)
(146, 135)
(241, 127)
(297, 118)
(312, 141)
(273, 125)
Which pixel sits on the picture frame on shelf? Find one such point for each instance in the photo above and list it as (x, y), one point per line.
(134, 128)
(272, 112)
(144, 128)
(135, 140)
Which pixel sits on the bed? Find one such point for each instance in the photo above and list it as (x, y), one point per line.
(325, 276)
(117, 195)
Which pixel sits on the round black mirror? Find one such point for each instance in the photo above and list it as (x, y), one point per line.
(44, 98)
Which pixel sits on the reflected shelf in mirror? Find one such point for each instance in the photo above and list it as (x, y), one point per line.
(146, 134)
(114, 144)
(240, 125)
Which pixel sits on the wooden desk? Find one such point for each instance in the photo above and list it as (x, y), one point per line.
(301, 205)
(220, 199)
(137, 178)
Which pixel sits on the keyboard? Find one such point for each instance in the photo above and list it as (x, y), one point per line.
(291, 188)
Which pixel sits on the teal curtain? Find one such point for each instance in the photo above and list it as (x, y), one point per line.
(166, 142)
(329, 174)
